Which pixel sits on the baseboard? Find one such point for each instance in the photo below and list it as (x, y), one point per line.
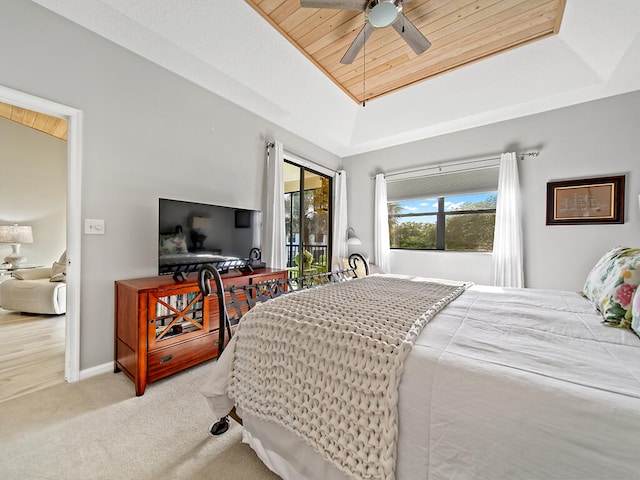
(97, 370)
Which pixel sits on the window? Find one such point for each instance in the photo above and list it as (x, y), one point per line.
(449, 211)
(307, 219)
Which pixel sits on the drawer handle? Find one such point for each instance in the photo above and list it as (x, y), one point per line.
(216, 341)
(166, 359)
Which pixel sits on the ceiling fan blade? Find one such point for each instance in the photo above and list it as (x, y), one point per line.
(353, 50)
(336, 4)
(407, 30)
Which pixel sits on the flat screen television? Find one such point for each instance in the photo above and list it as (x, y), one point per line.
(191, 234)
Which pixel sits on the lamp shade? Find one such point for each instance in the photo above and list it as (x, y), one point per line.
(16, 234)
(200, 223)
(351, 237)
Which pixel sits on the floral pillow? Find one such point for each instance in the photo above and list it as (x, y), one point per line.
(174, 243)
(635, 312)
(612, 283)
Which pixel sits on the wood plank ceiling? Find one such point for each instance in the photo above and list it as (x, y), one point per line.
(53, 126)
(461, 32)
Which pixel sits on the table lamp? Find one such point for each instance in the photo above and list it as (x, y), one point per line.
(351, 237)
(15, 235)
(198, 226)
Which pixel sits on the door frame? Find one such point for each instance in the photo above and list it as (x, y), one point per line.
(322, 172)
(73, 116)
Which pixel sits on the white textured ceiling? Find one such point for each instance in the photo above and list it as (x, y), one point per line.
(227, 48)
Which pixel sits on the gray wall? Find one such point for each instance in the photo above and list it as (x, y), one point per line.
(592, 139)
(148, 133)
(33, 190)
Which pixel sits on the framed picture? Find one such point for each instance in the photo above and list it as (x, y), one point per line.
(586, 201)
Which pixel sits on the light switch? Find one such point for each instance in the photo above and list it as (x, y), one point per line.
(93, 226)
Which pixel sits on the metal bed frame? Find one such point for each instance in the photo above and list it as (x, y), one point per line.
(235, 301)
(244, 297)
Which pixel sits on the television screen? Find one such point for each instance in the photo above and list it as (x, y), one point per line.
(190, 234)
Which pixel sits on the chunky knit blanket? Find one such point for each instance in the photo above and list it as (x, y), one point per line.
(325, 364)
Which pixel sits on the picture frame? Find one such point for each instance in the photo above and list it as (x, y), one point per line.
(586, 201)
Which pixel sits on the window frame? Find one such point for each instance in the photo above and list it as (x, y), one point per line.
(301, 245)
(441, 221)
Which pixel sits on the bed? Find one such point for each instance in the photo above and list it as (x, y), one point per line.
(498, 384)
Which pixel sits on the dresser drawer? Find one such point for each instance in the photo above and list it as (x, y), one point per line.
(169, 360)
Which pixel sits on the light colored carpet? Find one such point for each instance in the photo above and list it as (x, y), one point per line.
(98, 429)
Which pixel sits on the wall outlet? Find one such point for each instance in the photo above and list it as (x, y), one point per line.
(93, 226)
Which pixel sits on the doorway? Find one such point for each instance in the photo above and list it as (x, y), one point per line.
(308, 214)
(73, 229)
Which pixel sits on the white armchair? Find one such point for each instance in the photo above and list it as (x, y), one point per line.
(33, 291)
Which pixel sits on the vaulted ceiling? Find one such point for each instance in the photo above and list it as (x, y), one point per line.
(460, 33)
(54, 126)
(231, 49)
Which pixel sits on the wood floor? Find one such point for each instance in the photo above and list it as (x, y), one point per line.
(31, 352)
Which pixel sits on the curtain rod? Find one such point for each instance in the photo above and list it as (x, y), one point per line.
(304, 162)
(521, 156)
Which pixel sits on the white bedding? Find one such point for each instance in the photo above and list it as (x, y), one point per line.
(501, 384)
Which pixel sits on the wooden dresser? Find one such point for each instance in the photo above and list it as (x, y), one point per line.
(163, 326)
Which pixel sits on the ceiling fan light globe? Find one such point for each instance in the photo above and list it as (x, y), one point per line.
(383, 13)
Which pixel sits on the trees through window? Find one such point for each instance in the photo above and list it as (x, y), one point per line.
(308, 213)
(462, 222)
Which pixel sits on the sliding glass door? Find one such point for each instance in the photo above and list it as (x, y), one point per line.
(307, 199)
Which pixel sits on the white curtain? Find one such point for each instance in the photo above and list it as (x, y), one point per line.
(273, 242)
(381, 226)
(508, 269)
(339, 246)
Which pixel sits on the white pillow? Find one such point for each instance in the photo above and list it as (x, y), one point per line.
(373, 268)
(59, 269)
(32, 273)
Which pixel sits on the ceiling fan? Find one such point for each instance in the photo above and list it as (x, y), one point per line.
(377, 14)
